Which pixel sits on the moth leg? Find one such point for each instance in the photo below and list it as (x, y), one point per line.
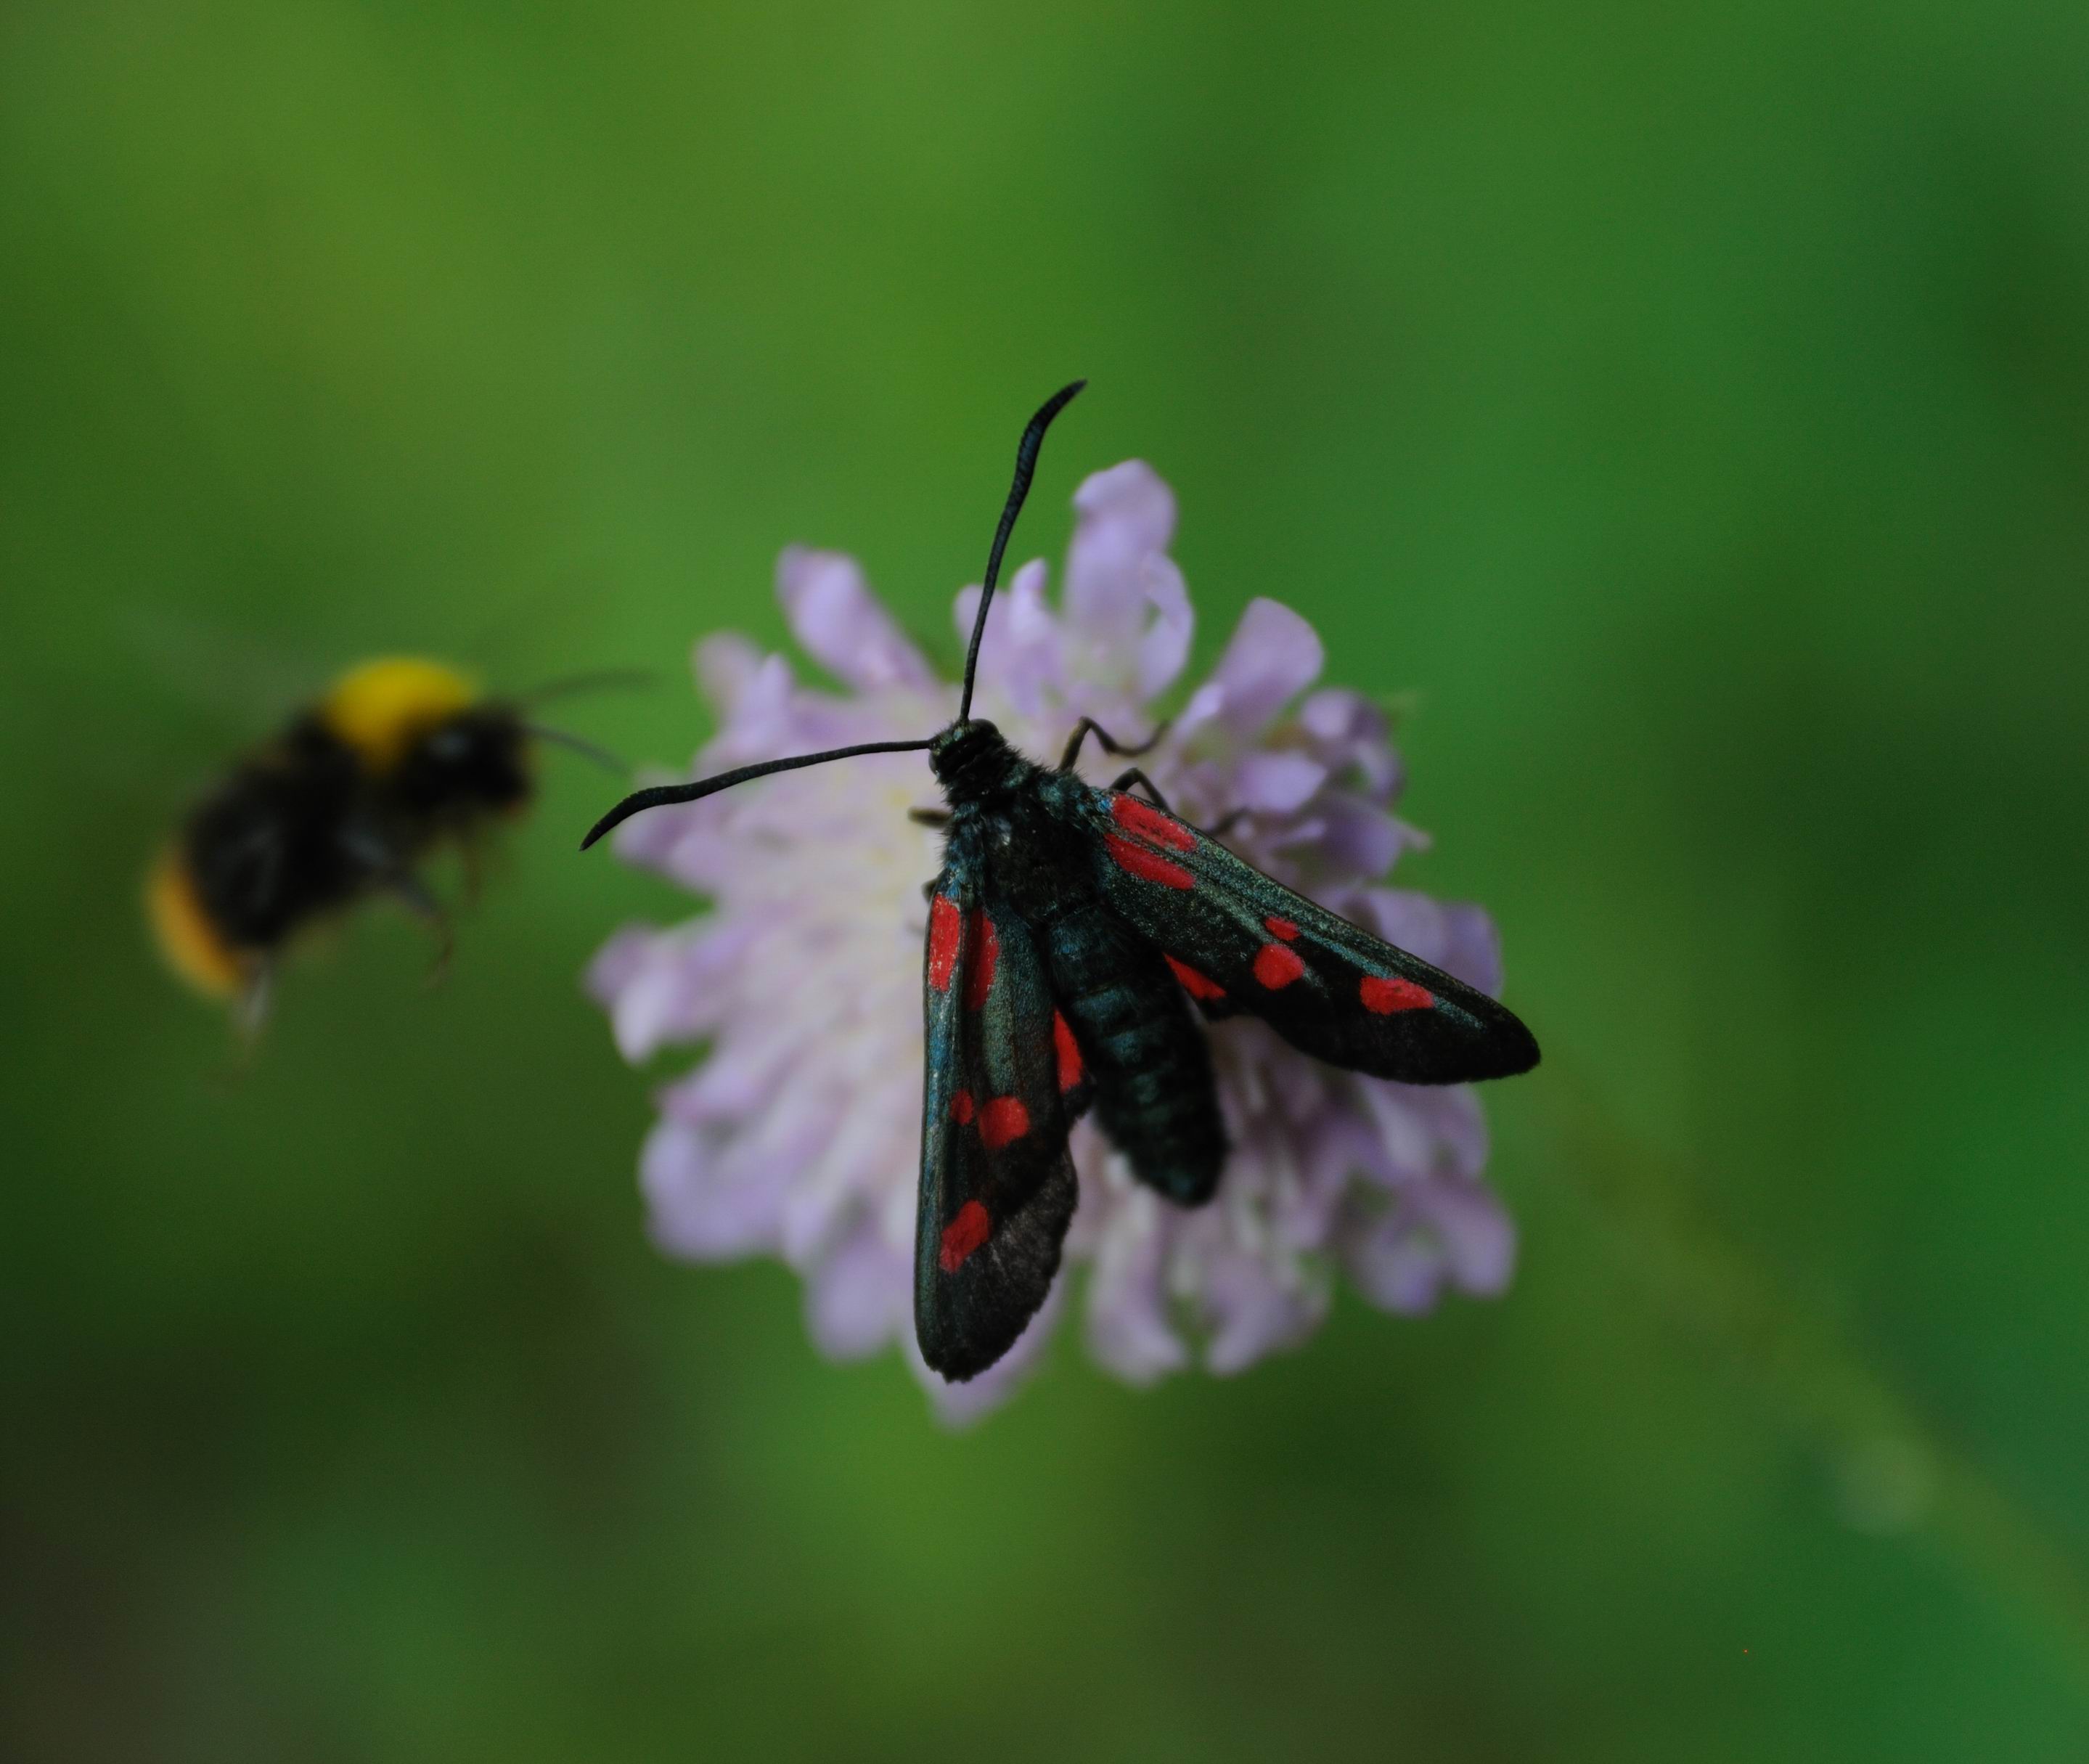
(1226, 823)
(1087, 726)
(929, 818)
(1130, 775)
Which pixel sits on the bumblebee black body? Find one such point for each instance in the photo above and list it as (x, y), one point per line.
(400, 756)
(1076, 934)
(264, 850)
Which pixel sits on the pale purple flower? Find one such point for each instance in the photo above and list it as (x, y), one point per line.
(799, 1133)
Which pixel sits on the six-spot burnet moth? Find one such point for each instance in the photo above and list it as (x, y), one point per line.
(1070, 933)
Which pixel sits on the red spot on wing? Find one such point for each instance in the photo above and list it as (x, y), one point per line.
(1068, 1051)
(1147, 865)
(1280, 928)
(1148, 822)
(963, 1234)
(1196, 985)
(945, 930)
(961, 1108)
(1382, 997)
(1276, 965)
(985, 951)
(1002, 1120)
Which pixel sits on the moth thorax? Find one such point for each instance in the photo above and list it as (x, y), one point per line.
(970, 759)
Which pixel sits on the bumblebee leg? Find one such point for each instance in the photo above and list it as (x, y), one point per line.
(389, 871)
(413, 894)
(1087, 726)
(250, 1016)
(1130, 775)
(929, 818)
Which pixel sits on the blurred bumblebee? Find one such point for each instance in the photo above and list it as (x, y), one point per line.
(402, 756)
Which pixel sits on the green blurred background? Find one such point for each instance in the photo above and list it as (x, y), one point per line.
(1691, 405)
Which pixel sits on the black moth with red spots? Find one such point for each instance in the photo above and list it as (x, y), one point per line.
(1070, 933)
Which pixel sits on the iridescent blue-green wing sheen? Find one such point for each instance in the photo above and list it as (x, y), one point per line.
(1239, 941)
(1002, 1080)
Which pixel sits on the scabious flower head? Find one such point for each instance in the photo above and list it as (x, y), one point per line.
(799, 1133)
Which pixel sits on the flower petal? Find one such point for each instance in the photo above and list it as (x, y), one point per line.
(1165, 647)
(1253, 1313)
(851, 1297)
(725, 665)
(702, 1202)
(1357, 838)
(1397, 1264)
(1277, 783)
(1128, 1330)
(1127, 517)
(1273, 656)
(1348, 732)
(1479, 1236)
(1451, 1232)
(658, 984)
(840, 624)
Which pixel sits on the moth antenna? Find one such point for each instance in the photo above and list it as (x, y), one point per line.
(580, 744)
(660, 795)
(1025, 464)
(599, 680)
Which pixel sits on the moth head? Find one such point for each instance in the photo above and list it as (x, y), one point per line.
(967, 755)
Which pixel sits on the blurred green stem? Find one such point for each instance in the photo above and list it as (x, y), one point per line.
(1898, 1472)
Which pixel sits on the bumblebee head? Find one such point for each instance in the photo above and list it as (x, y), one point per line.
(475, 760)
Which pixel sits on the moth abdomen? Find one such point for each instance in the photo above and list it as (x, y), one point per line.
(1156, 1098)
